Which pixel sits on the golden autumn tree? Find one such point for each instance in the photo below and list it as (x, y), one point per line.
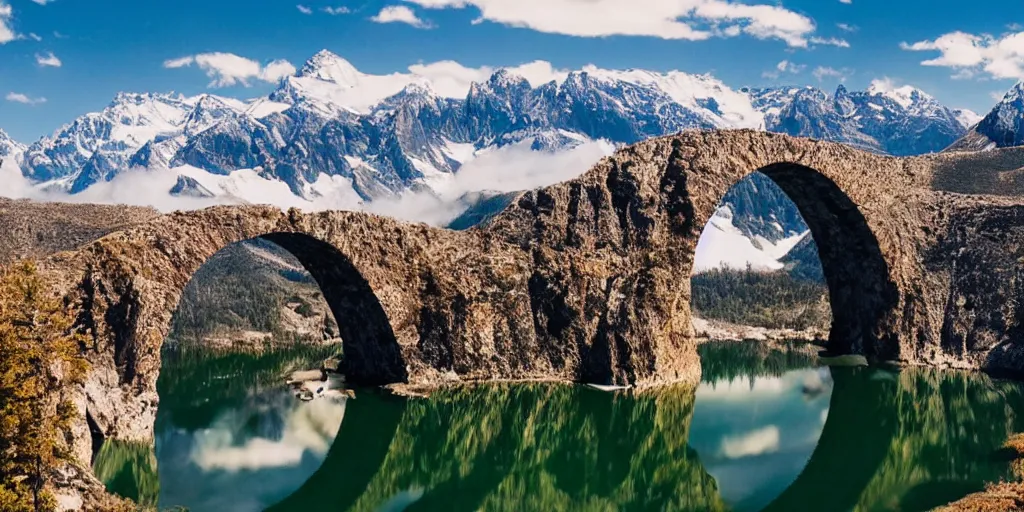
(40, 359)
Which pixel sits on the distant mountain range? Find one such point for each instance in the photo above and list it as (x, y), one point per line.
(1002, 127)
(333, 131)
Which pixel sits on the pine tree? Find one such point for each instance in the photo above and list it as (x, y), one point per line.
(40, 358)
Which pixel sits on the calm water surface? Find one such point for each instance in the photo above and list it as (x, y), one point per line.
(766, 430)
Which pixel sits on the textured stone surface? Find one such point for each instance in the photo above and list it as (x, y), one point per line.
(587, 280)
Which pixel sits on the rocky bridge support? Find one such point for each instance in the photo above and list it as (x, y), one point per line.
(587, 280)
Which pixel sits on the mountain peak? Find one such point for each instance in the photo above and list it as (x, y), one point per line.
(905, 96)
(330, 67)
(1015, 93)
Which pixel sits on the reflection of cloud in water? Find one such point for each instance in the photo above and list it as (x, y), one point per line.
(402, 500)
(756, 442)
(251, 457)
(754, 436)
(310, 428)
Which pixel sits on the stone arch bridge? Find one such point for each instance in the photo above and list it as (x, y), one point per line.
(588, 280)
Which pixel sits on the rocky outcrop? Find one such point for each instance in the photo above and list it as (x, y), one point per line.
(586, 280)
(35, 229)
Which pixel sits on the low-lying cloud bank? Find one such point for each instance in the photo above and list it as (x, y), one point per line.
(507, 169)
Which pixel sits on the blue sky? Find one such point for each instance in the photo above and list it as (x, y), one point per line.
(107, 46)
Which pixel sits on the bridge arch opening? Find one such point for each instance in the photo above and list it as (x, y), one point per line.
(371, 354)
(251, 315)
(822, 245)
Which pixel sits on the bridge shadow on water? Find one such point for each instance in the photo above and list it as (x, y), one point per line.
(910, 440)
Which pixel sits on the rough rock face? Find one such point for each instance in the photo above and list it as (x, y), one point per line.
(586, 280)
(30, 229)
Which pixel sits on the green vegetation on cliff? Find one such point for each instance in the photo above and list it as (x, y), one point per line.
(39, 363)
(253, 286)
(775, 300)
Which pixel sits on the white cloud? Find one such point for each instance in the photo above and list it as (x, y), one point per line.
(846, 27)
(303, 9)
(334, 11)
(784, 67)
(682, 19)
(1000, 58)
(18, 97)
(847, 2)
(831, 41)
(400, 14)
(43, 2)
(276, 70)
(451, 79)
(227, 69)
(48, 59)
(823, 72)
(6, 16)
(506, 169)
(179, 63)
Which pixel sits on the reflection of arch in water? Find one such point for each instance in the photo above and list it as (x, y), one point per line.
(535, 447)
(853, 443)
(355, 456)
(912, 440)
(521, 447)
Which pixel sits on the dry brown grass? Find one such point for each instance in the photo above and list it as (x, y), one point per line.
(1015, 446)
(1002, 496)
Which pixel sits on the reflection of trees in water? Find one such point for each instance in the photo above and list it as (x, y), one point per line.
(524, 447)
(195, 385)
(727, 360)
(129, 470)
(949, 427)
(910, 440)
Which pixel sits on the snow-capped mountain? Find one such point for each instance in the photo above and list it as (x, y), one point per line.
(1002, 127)
(99, 144)
(10, 148)
(332, 130)
(884, 119)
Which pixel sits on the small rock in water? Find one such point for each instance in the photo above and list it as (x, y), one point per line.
(604, 387)
(306, 375)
